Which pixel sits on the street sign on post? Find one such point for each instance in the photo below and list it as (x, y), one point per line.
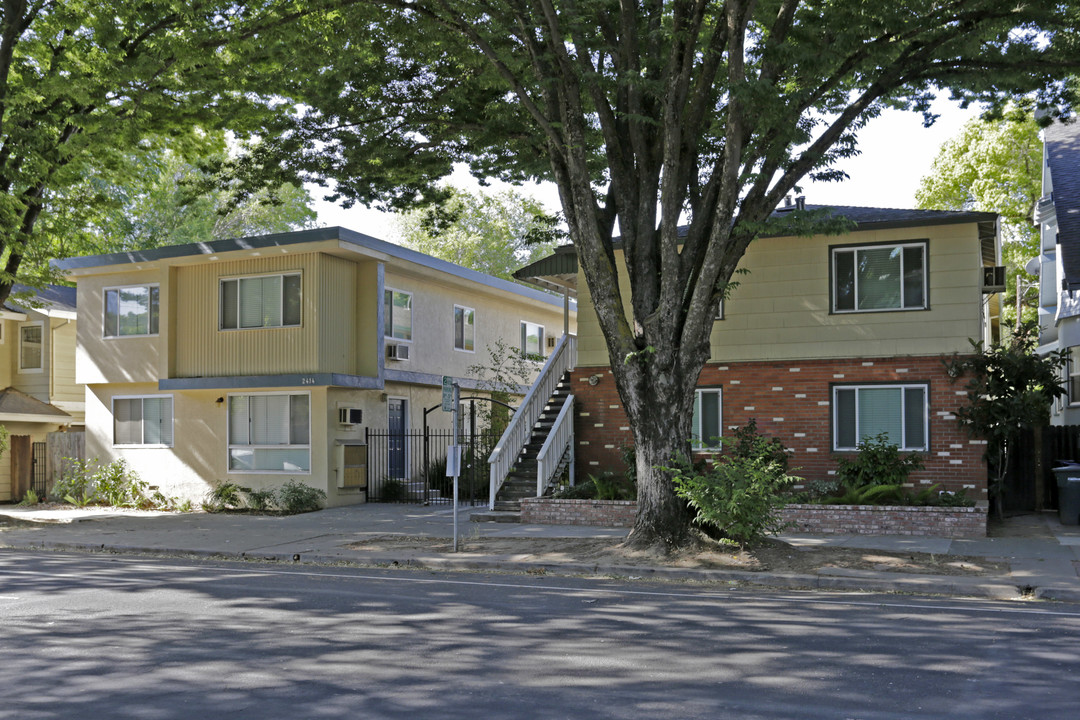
(447, 393)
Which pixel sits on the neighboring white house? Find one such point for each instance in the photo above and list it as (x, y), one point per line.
(1058, 264)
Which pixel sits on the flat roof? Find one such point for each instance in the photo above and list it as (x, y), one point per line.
(301, 237)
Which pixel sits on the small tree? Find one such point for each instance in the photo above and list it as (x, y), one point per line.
(1009, 388)
(504, 375)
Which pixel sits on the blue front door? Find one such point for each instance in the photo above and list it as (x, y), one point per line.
(396, 423)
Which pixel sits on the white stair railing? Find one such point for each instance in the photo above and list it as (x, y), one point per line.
(518, 432)
(560, 437)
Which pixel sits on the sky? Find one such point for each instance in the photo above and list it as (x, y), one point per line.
(896, 152)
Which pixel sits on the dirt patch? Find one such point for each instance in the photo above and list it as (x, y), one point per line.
(771, 556)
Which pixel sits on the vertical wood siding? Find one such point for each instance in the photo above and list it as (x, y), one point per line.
(202, 350)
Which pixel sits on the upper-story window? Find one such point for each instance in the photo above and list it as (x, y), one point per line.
(30, 347)
(397, 314)
(532, 340)
(131, 311)
(464, 328)
(879, 277)
(1073, 370)
(262, 301)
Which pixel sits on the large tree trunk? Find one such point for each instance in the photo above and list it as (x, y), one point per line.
(659, 402)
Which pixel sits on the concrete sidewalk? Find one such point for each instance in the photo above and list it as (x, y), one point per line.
(1043, 555)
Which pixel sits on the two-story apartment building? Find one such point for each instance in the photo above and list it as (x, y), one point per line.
(39, 394)
(257, 360)
(1058, 264)
(828, 340)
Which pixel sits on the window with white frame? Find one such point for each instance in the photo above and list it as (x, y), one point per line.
(260, 301)
(1074, 376)
(861, 412)
(876, 278)
(706, 428)
(532, 340)
(270, 432)
(131, 311)
(464, 328)
(397, 314)
(146, 420)
(31, 347)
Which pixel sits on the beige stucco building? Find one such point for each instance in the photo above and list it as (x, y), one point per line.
(259, 360)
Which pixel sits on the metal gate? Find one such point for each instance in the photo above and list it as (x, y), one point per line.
(410, 466)
(38, 478)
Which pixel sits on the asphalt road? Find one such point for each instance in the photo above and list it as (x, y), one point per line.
(120, 637)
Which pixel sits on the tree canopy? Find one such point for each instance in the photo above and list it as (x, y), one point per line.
(994, 166)
(681, 124)
(491, 233)
(85, 85)
(163, 200)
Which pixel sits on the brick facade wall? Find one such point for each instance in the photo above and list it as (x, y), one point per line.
(602, 513)
(791, 400)
(886, 520)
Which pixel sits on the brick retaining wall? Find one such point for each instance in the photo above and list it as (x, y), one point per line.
(817, 519)
(965, 522)
(604, 513)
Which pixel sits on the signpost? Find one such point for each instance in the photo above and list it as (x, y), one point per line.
(451, 394)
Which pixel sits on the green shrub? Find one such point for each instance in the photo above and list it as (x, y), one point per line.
(582, 491)
(878, 462)
(296, 497)
(29, 499)
(931, 496)
(610, 486)
(260, 500)
(738, 496)
(76, 484)
(749, 443)
(118, 486)
(224, 496)
(113, 484)
(393, 490)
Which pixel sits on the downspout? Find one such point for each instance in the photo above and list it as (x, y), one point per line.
(566, 310)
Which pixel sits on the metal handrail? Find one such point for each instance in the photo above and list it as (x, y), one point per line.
(559, 438)
(519, 430)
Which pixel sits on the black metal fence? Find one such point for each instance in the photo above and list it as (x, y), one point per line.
(410, 466)
(38, 476)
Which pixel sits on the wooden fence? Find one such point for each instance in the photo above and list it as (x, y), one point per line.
(1060, 442)
(60, 448)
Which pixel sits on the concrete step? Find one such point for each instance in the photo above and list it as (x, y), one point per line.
(497, 516)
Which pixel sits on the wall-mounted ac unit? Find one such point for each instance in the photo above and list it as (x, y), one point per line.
(350, 416)
(397, 352)
(993, 279)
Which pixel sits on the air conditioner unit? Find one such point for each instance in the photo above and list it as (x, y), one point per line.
(993, 279)
(397, 352)
(350, 416)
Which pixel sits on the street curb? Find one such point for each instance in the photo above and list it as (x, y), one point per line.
(913, 584)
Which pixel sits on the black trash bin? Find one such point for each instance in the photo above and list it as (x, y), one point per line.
(1068, 482)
